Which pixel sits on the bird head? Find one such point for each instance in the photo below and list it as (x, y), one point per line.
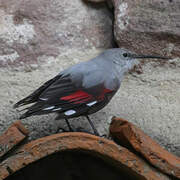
(125, 60)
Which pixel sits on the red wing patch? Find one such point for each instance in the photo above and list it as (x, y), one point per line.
(77, 97)
(81, 96)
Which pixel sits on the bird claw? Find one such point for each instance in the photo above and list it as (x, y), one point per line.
(79, 129)
(104, 136)
(60, 130)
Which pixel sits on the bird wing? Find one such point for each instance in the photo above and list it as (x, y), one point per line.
(71, 90)
(35, 95)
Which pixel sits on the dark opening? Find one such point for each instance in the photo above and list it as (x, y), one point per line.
(71, 166)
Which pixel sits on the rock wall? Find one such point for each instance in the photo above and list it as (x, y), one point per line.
(54, 34)
(149, 27)
(39, 30)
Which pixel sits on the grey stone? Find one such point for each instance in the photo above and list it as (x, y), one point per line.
(96, 1)
(30, 30)
(149, 27)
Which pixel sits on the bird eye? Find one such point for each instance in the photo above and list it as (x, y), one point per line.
(125, 54)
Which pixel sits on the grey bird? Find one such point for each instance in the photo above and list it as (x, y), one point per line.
(82, 89)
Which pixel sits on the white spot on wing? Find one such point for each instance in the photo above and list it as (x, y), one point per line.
(43, 99)
(48, 108)
(70, 112)
(57, 109)
(91, 103)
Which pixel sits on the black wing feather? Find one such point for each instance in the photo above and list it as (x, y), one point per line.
(50, 97)
(35, 95)
(63, 86)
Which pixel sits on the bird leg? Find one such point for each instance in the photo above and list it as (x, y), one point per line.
(69, 126)
(92, 125)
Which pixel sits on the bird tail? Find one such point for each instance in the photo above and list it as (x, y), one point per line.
(24, 101)
(35, 109)
(23, 116)
(35, 95)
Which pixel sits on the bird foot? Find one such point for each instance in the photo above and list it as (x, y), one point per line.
(79, 129)
(104, 136)
(61, 130)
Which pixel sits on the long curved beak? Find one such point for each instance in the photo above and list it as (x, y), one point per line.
(148, 56)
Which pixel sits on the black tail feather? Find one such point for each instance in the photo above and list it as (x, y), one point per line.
(23, 116)
(35, 109)
(35, 95)
(27, 100)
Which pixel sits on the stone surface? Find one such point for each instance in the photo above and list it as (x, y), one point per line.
(96, 1)
(128, 134)
(149, 27)
(108, 151)
(15, 134)
(40, 30)
(150, 100)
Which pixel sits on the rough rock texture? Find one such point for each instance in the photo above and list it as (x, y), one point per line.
(57, 32)
(39, 30)
(96, 1)
(148, 26)
(151, 100)
(128, 134)
(15, 134)
(108, 151)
